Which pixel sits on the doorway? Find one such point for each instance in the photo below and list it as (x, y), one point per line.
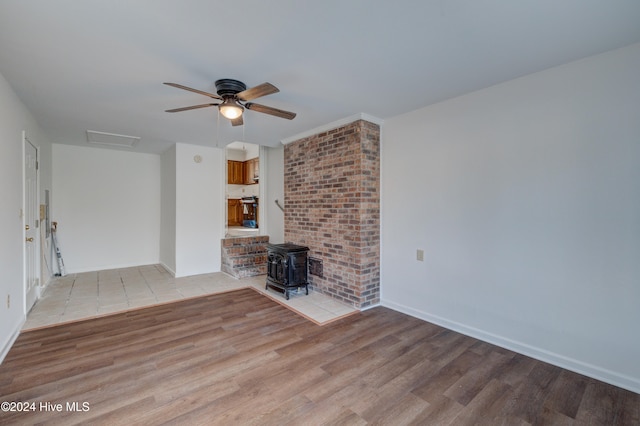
(242, 190)
(31, 224)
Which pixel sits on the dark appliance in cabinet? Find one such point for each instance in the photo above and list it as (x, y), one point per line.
(287, 267)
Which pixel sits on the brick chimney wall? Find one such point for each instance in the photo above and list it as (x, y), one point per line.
(332, 206)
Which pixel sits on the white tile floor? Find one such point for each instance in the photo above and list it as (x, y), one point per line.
(91, 294)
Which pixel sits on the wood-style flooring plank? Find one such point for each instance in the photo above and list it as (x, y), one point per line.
(241, 358)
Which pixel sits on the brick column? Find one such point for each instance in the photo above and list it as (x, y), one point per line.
(332, 205)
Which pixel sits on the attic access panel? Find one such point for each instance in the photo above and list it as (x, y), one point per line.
(111, 139)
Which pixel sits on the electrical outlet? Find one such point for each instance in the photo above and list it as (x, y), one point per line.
(8, 301)
(420, 255)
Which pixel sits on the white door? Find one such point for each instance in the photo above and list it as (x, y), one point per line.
(31, 222)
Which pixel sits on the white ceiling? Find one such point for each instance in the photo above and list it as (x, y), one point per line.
(100, 64)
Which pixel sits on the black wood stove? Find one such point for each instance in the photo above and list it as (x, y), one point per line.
(287, 267)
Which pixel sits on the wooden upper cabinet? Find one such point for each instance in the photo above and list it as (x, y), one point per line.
(243, 172)
(248, 172)
(256, 169)
(235, 172)
(251, 171)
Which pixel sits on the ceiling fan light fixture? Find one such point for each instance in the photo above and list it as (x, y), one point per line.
(235, 99)
(230, 109)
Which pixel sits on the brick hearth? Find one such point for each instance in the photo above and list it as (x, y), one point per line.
(244, 256)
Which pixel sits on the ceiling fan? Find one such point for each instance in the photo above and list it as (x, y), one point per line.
(235, 98)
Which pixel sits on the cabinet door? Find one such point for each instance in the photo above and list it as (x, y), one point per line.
(240, 172)
(234, 213)
(256, 168)
(235, 172)
(248, 172)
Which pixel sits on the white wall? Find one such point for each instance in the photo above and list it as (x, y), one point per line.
(168, 210)
(240, 151)
(274, 173)
(14, 118)
(107, 205)
(199, 209)
(525, 198)
(134, 209)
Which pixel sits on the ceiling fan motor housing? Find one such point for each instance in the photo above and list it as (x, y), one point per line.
(229, 87)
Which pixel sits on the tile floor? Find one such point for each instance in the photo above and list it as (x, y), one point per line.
(90, 294)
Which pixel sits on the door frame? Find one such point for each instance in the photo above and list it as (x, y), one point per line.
(28, 304)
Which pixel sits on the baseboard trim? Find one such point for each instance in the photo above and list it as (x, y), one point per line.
(106, 268)
(169, 270)
(571, 364)
(9, 343)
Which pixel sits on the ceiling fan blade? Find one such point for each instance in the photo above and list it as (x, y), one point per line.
(190, 107)
(180, 86)
(237, 121)
(260, 90)
(270, 110)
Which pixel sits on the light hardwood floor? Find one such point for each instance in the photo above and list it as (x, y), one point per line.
(240, 358)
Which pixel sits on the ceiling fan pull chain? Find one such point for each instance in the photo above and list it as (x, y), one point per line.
(218, 130)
